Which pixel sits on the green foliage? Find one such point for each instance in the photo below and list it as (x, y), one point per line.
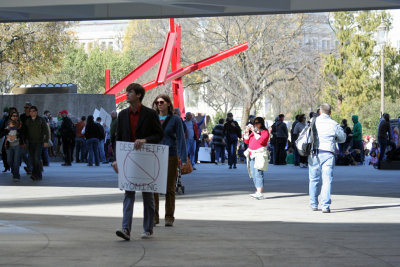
(370, 113)
(215, 119)
(352, 73)
(31, 49)
(86, 69)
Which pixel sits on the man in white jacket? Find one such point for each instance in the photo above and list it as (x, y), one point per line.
(322, 160)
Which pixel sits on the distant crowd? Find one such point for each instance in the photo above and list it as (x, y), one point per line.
(32, 139)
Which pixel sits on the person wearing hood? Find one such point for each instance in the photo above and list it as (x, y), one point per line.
(357, 136)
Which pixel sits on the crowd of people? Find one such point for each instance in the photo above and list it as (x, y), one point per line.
(32, 139)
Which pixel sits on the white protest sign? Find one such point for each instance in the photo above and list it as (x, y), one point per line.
(96, 113)
(105, 117)
(205, 154)
(142, 170)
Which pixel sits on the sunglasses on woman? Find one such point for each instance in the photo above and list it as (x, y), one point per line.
(159, 102)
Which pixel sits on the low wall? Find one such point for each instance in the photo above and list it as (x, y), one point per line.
(76, 104)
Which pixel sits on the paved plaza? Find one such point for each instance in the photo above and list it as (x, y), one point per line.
(69, 219)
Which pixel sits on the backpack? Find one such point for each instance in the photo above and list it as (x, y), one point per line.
(307, 139)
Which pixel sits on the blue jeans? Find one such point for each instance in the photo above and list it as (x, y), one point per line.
(231, 147)
(220, 153)
(35, 153)
(148, 213)
(191, 149)
(93, 148)
(258, 175)
(101, 151)
(320, 169)
(80, 148)
(45, 155)
(296, 156)
(14, 160)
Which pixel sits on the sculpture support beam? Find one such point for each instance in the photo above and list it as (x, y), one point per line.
(171, 52)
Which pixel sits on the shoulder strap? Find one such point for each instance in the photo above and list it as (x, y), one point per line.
(165, 123)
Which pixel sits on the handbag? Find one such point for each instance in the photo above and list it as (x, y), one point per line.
(188, 168)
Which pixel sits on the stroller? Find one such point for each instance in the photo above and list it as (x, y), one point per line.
(179, 189)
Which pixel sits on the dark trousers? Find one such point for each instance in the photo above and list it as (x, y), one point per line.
(343, 147)
(359, 145)
(220, 153)
(80, 149)
(68, 147)
(296, 155)
(280, 153)
(170, 195)
(383, 144)
(231, 147)
(35, 152)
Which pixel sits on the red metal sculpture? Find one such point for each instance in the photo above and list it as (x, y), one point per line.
(171, 53)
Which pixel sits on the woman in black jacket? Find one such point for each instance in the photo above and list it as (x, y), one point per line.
(92, 135)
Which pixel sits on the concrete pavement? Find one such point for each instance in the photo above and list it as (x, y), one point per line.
(69, 219)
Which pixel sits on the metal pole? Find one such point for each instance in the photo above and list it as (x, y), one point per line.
(382, 80)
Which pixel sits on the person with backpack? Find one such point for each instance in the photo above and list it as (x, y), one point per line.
(343, 147)
(67, 131)
(300, 125)
(321, 161)
(174, 138)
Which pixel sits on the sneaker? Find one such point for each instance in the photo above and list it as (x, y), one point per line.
(169, 223)
(90, 164)
(314, 208)
(230, 167)
(234, 166)
(146, 235)
(254, 194)
(328, 210)
(123, 233)
(194, 168)
(66, 164)
(257, 195)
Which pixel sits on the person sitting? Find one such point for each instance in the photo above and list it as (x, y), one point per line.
(289, 156)
(374, 158)
(367, 157)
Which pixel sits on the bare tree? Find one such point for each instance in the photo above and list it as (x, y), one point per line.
(274, 56)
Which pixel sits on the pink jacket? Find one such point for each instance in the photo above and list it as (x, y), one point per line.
(254, 143)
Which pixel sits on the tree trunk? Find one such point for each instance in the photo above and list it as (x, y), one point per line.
(245, 113)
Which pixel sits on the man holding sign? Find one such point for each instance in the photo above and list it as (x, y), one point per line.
(140, 125)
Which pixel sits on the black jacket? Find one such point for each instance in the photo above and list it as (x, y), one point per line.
(148, 127)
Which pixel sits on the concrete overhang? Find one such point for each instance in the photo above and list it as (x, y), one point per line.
(50, 10)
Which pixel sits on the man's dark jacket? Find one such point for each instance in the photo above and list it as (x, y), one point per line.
(148, 126)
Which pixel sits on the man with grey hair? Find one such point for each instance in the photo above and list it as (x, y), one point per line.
(322, 159)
